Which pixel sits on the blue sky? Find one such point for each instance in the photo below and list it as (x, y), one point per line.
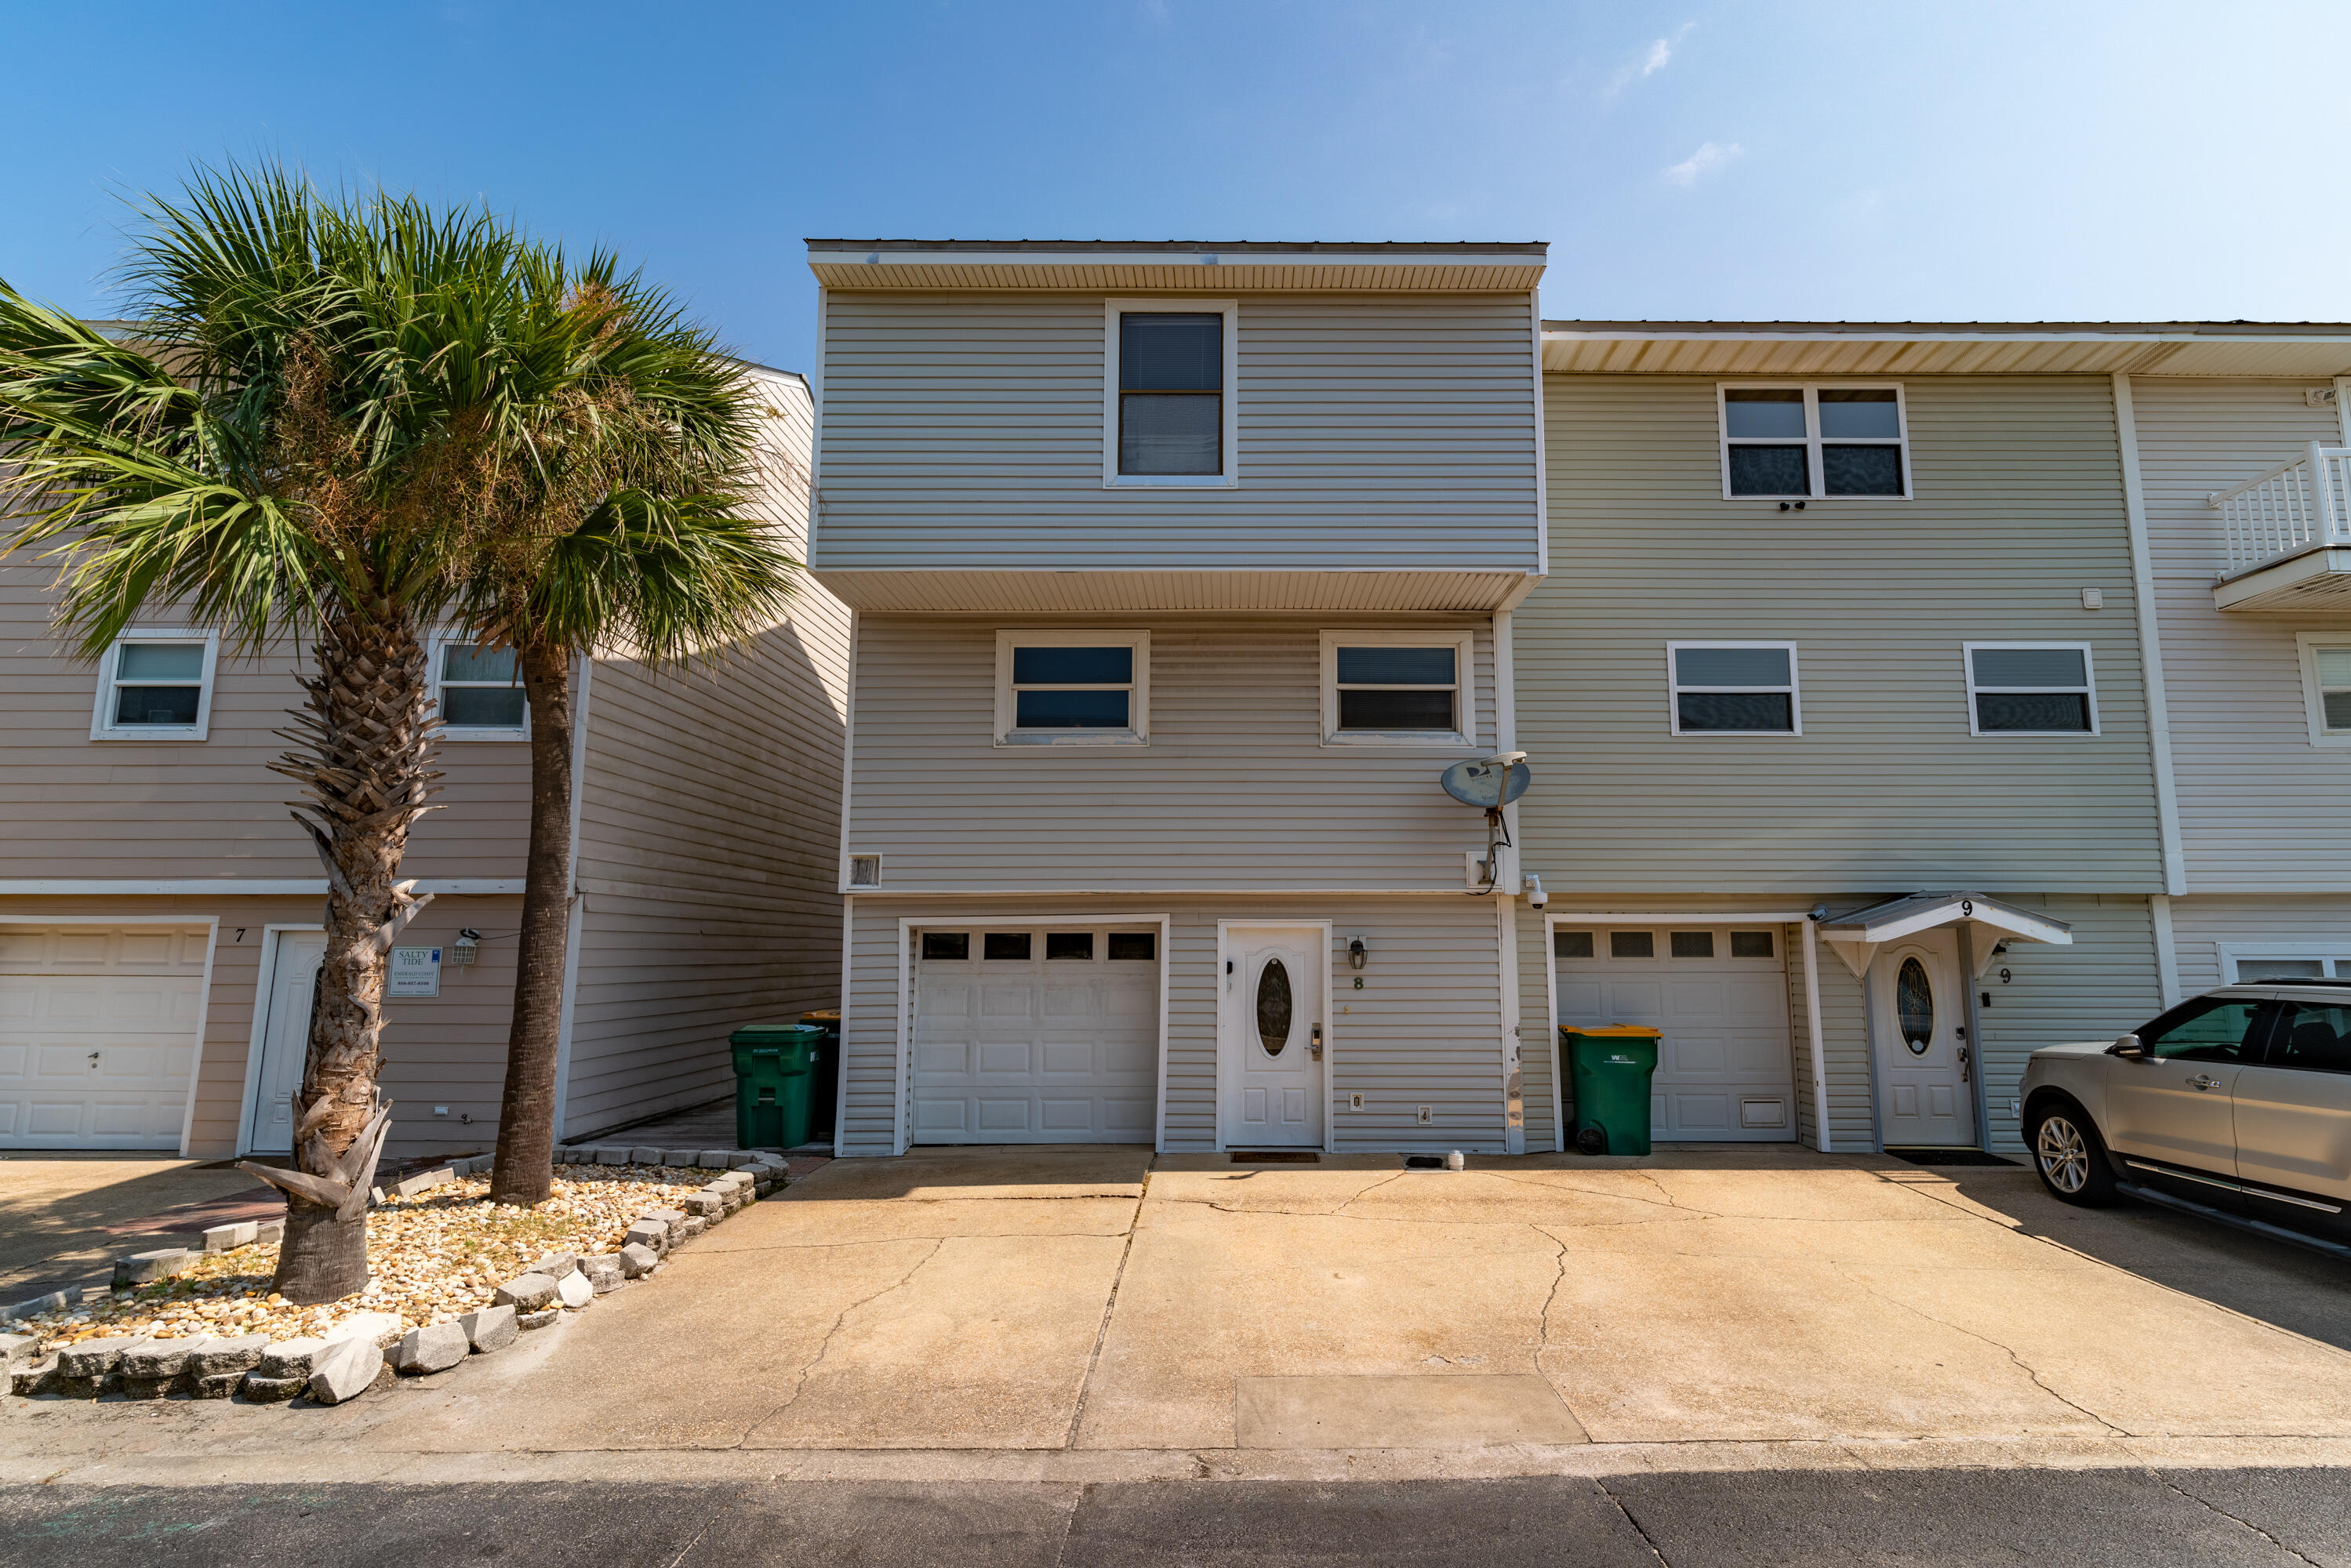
(2058, 160)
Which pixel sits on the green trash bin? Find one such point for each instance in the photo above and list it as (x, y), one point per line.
(772, 1083)
(1610, 1065)
(824, 1077)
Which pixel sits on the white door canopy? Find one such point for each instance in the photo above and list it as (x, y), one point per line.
(1857, 937)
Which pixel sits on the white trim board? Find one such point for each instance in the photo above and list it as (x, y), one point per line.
(900, 1137)
(2150, 642)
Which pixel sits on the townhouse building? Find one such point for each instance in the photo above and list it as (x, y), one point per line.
(1181, 573)
(159, 911)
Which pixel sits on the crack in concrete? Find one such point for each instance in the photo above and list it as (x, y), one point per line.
(2171, 1485)
(1069, 1524)
(1619, 1505)
(1102, 1331)
(1367, 1192)
(2022, 1365)
(1543, 1341)
(824, 1347)
(1667, 1202)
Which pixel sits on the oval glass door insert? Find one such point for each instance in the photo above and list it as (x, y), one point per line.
(1914, 1006)
(1273, 1007)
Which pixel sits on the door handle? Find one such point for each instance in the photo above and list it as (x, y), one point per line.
(1314, 1042)
(2201, 1082)
(1965, 1075)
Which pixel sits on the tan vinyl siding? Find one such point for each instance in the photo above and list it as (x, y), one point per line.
(965, 430)
(2096, 988)
(2018, 508)
(71, 807)
(1235, 789)
(2260, 806)
(709, 841)
(2200, 927)
(1426, 1030)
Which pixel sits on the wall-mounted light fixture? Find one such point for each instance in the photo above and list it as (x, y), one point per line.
(1356, 953)
(462, 952)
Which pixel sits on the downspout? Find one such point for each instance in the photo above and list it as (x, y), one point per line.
(1813, 1021)
(577, 901)
(1506, 902)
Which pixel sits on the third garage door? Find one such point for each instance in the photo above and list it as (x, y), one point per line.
(1035, 1035)
(1720, 995)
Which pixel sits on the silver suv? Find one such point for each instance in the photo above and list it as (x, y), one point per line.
(2237, 1102)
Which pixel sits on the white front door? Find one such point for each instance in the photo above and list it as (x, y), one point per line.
(285, 1039)
(1272, 1036)
(1925, 1071)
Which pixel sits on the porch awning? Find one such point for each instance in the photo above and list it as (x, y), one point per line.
(1857, 937)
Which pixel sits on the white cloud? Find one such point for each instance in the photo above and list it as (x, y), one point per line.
(1710, 156)
(1647, 63)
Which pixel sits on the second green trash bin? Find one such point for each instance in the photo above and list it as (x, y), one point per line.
(1610, 1066)
(772, 1063)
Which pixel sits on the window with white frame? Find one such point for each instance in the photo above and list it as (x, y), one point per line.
(2272, 961)
(479, 692)
(1734, 688)
(156, 685)
(2326, 686)
(1397, 687)
(2031, 688)
(1168, 392)
(1813, 443)
(1072, 688)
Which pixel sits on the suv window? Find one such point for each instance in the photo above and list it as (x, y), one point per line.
(2312, 1037)
(2210, 1029)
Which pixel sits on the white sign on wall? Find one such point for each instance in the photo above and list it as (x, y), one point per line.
(416, 972)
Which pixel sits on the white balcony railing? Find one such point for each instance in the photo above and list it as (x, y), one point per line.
(2302, 502)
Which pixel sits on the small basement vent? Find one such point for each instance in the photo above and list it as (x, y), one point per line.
(866, 871)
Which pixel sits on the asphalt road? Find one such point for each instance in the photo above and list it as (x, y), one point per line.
(2081, 1519)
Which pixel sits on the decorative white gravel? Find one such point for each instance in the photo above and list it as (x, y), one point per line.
(431, 1258)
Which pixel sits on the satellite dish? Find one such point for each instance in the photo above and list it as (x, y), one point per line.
(1489, 783)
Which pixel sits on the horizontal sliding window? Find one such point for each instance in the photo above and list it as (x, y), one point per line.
(2015, 688)
(1394, 685)
(1813, 443)
(1082, 687)
(1734, 688)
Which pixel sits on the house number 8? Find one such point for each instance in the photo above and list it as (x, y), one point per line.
(1359, 982)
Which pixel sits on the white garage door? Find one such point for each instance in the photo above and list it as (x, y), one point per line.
(1035, 1035)
(98, 1034)
(1720, 995)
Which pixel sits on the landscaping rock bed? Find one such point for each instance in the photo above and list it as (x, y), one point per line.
(451, 1274)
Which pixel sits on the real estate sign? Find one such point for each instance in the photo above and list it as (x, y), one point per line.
(416, 972)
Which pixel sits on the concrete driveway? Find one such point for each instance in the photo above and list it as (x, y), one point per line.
(1134, 1317)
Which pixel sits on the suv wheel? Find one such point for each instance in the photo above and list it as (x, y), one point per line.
(2069, 1156)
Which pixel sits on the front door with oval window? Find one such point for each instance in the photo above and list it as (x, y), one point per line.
(1925, 1069)
(1271, 1044)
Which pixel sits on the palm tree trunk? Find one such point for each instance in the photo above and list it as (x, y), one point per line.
(524, 1167)
(363, 753)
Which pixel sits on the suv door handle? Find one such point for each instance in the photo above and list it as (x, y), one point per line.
(2201, 1082)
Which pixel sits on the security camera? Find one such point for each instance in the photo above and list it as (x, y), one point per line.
(1820, 912)
(1536, 896)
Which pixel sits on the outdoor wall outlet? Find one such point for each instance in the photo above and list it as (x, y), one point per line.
(440, 1110)
(2016, 1107)
(1354, 1102)
(1421, 1114)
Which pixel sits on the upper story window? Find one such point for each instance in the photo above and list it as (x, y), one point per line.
(1168, 393)
(1072, 688)
(156, 685)
(2326, 687)
(1397, 687)
(1734, 688)
(480, 695)
(1804, 443)
(2031, 688)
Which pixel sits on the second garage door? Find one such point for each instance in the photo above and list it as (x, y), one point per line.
(1720, 995)
(1035, 1035)
(98, 1034)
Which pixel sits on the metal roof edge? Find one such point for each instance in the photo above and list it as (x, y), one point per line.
(1946, 332)
(1096, 249)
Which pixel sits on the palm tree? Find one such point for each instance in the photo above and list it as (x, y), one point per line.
(629, 523)
(299, 440)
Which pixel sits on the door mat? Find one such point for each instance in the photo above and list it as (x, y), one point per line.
(1949, 1157)
(1275, 1157)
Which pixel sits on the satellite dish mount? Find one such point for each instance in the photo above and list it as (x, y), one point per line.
(1490, 783)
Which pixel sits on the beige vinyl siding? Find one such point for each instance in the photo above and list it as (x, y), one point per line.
(709, 839)
(1426, 1030)
(965, 430)
(2260, 806)
(1235, 789)
(2018, 508)
(2201, 926)
(1538, 1063)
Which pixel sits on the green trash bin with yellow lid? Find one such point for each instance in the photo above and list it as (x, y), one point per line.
(773, 1066)
(1609, 1067)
